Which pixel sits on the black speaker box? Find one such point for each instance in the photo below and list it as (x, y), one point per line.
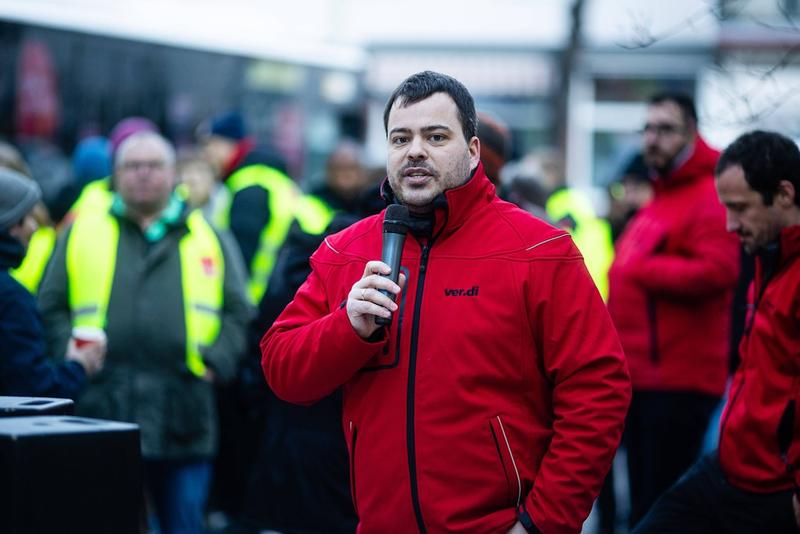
(16, 406)
(69, 474)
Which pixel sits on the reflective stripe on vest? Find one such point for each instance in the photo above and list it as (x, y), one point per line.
(313, 214)
(30, 271)
(283, 197)
(91, 260)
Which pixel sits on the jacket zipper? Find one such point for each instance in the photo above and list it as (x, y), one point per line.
(513, 461)
(734, 398)
(651, 316)
(727, 416)
(353, 436)
(399, 319)
(412, 364)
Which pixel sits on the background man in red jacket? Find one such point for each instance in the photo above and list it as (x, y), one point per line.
(750, 483)
(495, 400)
(670, 291)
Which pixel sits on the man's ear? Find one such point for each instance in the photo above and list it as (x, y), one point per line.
(16, 226)
(16, 229)
(786, 194)
(474, 148)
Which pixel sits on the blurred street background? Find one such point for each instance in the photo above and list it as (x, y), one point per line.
(569, 75)
(568, 80)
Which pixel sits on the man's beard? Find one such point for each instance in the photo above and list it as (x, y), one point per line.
(459, 175)
(657, 160)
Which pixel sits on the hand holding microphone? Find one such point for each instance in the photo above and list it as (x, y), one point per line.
(395, 228)
(371, 300)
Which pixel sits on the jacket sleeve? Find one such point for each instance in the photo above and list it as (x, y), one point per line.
(708, 264)
(54, 300)
(311, 350)
(25, 369)
(224, 355)
(584, 362)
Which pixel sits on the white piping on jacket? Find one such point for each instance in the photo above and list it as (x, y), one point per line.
(546, 241)
(513, 462)
(331, 246)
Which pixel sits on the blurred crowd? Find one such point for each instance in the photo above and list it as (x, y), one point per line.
(184, 257)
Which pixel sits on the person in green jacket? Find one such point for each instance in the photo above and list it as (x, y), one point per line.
(169, 292)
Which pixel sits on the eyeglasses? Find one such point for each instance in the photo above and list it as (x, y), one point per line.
(150, 166)
(662, 129)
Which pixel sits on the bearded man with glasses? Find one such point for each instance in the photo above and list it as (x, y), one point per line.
(670, 292)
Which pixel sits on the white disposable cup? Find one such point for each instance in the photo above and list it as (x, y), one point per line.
(84, 335)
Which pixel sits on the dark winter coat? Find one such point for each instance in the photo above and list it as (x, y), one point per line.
(25, 369)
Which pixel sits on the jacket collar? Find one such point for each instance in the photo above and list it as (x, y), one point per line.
(777, 254)
(789, 242)
(453, 207)
(173, 216)
(243, 148)
(698, 164)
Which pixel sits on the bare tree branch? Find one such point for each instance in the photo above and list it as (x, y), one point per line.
(644, 36)
(749, 105)
(792, 30)
(787, 16)
(750, 92)
(753, 113)
(783, 62)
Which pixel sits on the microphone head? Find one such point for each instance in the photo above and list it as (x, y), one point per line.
(396, 220)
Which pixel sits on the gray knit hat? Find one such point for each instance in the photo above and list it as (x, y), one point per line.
(18, 195)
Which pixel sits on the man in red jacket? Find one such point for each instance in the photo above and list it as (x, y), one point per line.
(495, 400)
(670, 292)
(750, 483)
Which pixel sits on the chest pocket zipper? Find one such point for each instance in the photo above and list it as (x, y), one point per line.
(398, 318)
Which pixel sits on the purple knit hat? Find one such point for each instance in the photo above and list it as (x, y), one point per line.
(127, 127)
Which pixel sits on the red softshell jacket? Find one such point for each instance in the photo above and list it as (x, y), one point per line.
(765, 392)
(672, 280)
(500, 383)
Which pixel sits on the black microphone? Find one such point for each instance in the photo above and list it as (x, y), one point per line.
(395, 227)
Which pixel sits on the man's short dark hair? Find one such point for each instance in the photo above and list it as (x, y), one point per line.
(421, 85)
(766, 158)
(682, 100)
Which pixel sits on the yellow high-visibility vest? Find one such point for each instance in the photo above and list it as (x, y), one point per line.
(592, 235)
(91, 260)
(283, 198)
(95, 196)
(30, 271)
(313, 214)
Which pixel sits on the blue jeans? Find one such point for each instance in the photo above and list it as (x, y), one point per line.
(179, 491)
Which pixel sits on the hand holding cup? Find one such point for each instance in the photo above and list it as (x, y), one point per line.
(87, 346)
